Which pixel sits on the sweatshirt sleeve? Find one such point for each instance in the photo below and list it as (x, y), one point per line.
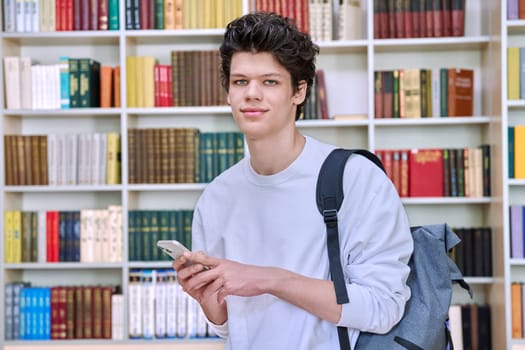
(375, 251)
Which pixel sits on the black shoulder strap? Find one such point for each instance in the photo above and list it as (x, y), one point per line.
(329, 197)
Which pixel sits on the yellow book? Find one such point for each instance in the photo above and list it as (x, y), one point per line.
(186, 13)
(8, 236)
(519, 152)
(131, 81)
(513, 73)
(148, 81)
(140, 86)
(220, 20)
(17, 236)
(193, 12)
(113, 174)
(169, 14)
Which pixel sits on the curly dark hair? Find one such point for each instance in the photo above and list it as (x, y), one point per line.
(278, 35)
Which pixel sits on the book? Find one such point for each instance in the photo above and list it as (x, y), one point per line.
(426, 173)
(460, 92)
(513, 73)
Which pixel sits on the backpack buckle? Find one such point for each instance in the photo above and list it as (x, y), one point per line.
(330, 216)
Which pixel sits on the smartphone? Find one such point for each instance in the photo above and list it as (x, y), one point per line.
(173, 248)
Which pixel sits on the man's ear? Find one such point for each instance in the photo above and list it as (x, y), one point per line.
(300, 94)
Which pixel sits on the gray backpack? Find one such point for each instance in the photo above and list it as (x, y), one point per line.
(424, 325)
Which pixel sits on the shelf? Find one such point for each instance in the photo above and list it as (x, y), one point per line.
(106, 344)
(516, 27)
(102, 112)
(431, 44)
(401, 122)
(64, 266)
(200, 110)
(166, 187)
(446, 200)
(111, 37)
(516, 104)
(72, 188)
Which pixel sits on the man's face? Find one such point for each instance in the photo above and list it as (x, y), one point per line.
(261, 95)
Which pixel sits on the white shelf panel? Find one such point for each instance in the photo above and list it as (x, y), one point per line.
(64, 266)
(445, 200)
(431, 44)
(72, 188)
(401, 122)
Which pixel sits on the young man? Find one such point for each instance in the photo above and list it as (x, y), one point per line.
(262, 273)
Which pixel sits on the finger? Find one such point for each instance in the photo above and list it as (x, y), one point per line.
(202, 258)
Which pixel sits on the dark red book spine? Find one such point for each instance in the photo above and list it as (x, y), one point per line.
(458, 17)
(437, 18)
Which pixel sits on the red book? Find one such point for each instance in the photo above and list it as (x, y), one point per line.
(378, 94)
(396, 170)
(408, 20)
(428, 26)
(378, 24)
(437, 18)
(398, 18)
(388, 94)
(103, 15)
(447, 20)
(169, 82)
(68, 15)
(404, 176)
(426, 173)
(458, 17)
(52, 228)
(158, 84)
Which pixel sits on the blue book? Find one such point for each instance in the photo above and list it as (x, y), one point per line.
(64, 82)
(510, 141)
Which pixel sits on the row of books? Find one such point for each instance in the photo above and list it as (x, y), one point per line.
(474, 255)
(58, 312)
(516, 73)
(146, 227)
(515, 9)
(191, 80)
(181, 14)
(517, 231)
(517, 309)
(296, 9)
(316, 105)
(33, 16)
(347, 20)
(71, 83)
(159, 308)
(181, 155)
(516, 151)
(448, 172)
(62, 159)
(422, 93)
(416, 19)
(470, 326)
(86, 235)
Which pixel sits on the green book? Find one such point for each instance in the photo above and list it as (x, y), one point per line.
(187, 218)
(89, 89)
(159, 14)
(113, 15)
(74, 82)
(155, 235)
(443, 85)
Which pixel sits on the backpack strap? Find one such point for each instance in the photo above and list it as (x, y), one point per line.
(329, 198)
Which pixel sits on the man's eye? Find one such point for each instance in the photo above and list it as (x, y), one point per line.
(240, 82)
(270, 82)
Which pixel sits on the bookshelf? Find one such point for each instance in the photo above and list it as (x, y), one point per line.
(513, 35)
(349, 65)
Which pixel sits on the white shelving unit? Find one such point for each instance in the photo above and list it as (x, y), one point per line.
(349, 70)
